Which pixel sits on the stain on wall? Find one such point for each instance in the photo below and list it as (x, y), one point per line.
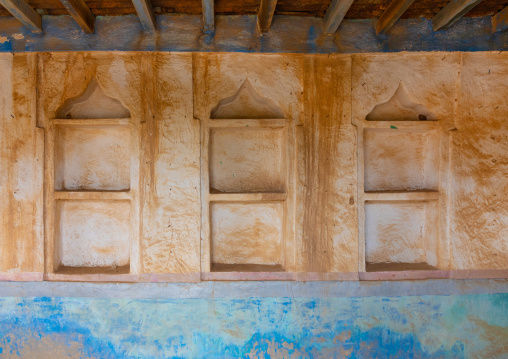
(21, 161)
(170, 167)
(326, 192)
(480, 164)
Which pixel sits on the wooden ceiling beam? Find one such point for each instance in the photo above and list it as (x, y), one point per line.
(265, 15)
(500, 20)
(392, 13)
(80, 11)
(24, 13)
(335, 14)
(208, 15)
(145, 13)
(453, 11)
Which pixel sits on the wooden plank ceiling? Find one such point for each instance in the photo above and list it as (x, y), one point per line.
(359, 9)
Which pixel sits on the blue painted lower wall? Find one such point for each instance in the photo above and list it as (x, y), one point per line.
(427, 326)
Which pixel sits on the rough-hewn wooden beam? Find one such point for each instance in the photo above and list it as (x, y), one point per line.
(265, 15)
(24, 13)
(500, 20)
(80, 11)
(335, 14)
(208, 15)
(392, 13)
(145, 14)
(453, 11)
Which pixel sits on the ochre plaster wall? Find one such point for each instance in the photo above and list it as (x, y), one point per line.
(479, 215)
(324, 100)
(21, 161)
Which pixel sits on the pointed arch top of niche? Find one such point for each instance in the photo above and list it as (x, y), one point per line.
(246, 103)
(400, 107)
(93, 103)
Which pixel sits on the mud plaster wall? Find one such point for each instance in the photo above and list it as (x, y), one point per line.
(21, 161)
(479, 221)
(170, 96)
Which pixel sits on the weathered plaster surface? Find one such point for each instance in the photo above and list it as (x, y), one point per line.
(260, 289)
(430, 78)
(92, 158)
(427, 326)
(288, 34)
(102, 230)
(327, 168)
(189, 161)
(247, 161)
(21, 161)
(407, 155)
(170, 167)
(480, 164)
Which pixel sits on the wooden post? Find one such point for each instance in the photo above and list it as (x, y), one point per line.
(500, 20)
(80, 11)
(145, 14)
(265, 15)
(24, 13)
(335, 14)
(392, 13)
(208, 15)
(453, 11)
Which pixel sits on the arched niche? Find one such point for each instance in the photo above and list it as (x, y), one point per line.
(246, 103)
(92, 104)
(400, 107)
(93, 156)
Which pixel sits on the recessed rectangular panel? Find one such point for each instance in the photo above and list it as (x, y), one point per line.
(247, 233)
(401, 160)
(92, 158)
(93, 233)
(247, 160)
(400, 233)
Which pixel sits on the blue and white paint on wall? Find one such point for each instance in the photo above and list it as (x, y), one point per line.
(426, 326)
(239, 34)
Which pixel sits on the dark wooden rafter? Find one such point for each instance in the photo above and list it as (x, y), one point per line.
(24, 13)
(386, 11)
(335, 14)
(208, 15)
(453, 11)
(145, 13)
(265, 15)
(392, 13)
(80, 11)
(500, 20)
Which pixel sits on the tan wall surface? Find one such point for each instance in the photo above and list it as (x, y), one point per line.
(21, 160)
(344, 188)
(479, 223)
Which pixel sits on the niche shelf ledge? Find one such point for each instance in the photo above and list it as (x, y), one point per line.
(265, 123)
(246, 268)
(93, 270)
(407, 126)
(91, 122)
(92, 195)
(401, 196)
(397, 267)
(247, 197)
